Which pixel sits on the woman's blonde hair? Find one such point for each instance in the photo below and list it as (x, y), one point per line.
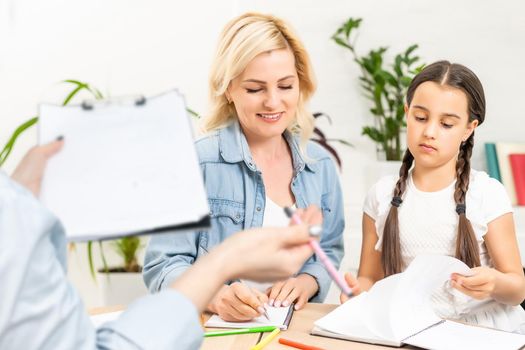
(241, 41)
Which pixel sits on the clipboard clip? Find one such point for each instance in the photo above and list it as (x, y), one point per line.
(88, 105)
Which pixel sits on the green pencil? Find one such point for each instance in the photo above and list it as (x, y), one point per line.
(240, 331)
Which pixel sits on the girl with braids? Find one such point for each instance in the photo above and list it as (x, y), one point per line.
(438, 205)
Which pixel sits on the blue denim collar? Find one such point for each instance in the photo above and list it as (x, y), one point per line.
(234, 148)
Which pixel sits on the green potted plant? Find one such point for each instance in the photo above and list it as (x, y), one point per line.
(122, 284)
(385, 86)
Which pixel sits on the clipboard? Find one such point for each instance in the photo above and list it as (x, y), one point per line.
(128, 167)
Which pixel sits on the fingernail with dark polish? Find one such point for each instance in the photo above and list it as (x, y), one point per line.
(60, 138)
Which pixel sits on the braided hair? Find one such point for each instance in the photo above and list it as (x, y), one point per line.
(467, 250)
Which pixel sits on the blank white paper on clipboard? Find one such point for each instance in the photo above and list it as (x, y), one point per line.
(125, 168)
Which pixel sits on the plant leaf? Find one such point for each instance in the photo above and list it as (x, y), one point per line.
(341, 42)
(103, 256)
(330, 149)
(319, 133)
(11, 142)
(322, 114)
(373, 133)
(193, 113)
(341, 141)
(411, 49)
(90, 259)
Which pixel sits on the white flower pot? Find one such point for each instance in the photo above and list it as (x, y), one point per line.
(121, 288)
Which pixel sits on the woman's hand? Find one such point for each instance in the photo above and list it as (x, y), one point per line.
(237, 302)
(30, 170)
(480, 285)
(296, 290)
(354, 285)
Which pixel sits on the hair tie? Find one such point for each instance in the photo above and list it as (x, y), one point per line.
(396, 201)
(461, 209)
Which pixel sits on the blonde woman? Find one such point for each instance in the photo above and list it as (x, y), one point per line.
(256, 160)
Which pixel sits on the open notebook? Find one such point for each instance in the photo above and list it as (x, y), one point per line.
(397, 310)
(278, 317)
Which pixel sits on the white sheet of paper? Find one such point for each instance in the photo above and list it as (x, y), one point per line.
(277, 317)
(100, 319)
(123, 168)
(412, 309)
(351, 320)
(397, 306)
(456, 336)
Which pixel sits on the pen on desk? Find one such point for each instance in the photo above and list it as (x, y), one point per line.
(336, 277)
(240, 331)
(267, 340)
(298, 345)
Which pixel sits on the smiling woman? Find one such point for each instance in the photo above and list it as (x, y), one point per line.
(255, 161)
(265, 95)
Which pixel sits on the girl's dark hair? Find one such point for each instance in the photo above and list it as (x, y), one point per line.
(467, 250)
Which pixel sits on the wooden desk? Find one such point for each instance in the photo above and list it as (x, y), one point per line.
(299, 330)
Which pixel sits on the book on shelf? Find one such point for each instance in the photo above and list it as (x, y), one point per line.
(492, 161)
(397, 310)
(517, 163)
(503, 149)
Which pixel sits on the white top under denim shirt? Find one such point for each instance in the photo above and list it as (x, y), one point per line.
(40, 309)
(428, 224)
(237, 198)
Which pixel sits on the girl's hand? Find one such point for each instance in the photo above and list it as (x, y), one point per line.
(354, 285)
(295, 289)
(480, 285)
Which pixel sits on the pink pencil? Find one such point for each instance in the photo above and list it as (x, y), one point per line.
(336, 277)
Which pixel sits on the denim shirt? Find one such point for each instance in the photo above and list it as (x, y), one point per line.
(236, 198)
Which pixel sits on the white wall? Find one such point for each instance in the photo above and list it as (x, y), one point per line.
(132, 46)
